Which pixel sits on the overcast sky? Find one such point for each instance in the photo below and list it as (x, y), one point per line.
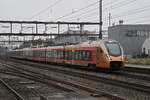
(131, 11)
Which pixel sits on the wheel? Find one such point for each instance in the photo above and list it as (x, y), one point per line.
(92, 67)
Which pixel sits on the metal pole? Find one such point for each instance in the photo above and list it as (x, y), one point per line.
(11, 29)
(109, 19)
(36, 28)
(58, 28)
(100, 19)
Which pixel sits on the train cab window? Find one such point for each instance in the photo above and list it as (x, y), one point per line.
(101, 51)
(113, 49)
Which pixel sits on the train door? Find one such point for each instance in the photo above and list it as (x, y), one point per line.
(100, 57)
(55, 54)
(73, 57)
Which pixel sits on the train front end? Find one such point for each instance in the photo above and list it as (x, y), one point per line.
(115, 55)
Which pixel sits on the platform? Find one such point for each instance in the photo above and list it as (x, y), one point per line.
(138, 66)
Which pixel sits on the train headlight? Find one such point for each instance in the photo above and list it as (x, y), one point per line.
(122, 57)
(108, 56)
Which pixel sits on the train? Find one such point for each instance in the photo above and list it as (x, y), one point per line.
(105, 54)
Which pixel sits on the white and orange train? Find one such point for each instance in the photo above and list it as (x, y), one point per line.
(107, 54)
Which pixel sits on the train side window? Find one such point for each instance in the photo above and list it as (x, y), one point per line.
(80, 55)
(59, 54)
(66, 55)
(70, 55)
(83, 55)
(36, 54)
(55, 54)
(76, 55)
(43, 54)
(51, 54)
(39, 54)
(30, 53)
(62, 55)
(88, 55)
(47, 54)
(101, 51)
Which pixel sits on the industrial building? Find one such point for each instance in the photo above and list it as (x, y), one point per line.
(131, 37)
(61, 40)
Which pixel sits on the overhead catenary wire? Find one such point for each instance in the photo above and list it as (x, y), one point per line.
(71, 13)
(96, 8)
(42, 11)
(132, 12)
(79, 16)
(68, 14)
(137, 18)
(128, 13)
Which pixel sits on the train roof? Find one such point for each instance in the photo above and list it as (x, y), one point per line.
(92, 43)
(84, 44)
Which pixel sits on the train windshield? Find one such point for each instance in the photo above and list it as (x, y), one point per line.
(113, 48)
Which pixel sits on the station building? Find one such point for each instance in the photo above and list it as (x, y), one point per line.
(132, 38)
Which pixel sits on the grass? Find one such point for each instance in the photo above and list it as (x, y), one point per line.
(140, 61)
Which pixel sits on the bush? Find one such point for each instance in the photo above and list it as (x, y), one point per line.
(143, 61)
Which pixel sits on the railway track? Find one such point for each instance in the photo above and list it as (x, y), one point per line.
(100, 79)
(126, 74)
(137, 70)
(63, 71)
(11, 91)
(92, 91)
(16, 72)
(122, 73)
